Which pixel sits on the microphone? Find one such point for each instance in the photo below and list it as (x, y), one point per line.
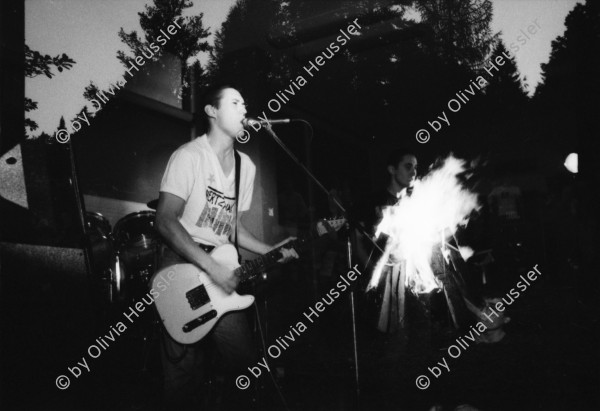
(249, 122)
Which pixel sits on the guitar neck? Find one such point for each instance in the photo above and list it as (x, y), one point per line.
(255, 267)
(251, 269)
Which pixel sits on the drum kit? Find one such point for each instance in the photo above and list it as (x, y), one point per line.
(124, 258)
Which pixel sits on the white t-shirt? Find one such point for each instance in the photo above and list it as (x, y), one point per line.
(195, 175)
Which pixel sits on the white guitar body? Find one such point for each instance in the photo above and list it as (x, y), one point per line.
(192, 304)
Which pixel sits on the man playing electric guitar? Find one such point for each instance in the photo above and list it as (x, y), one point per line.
(197, 210)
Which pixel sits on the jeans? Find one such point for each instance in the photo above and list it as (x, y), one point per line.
(186, 366)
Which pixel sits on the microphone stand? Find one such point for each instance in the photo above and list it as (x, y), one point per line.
(357, 225)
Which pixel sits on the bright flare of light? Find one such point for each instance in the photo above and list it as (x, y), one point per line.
(118, 275)
(572, 163)
(438, 205)
(465, 252)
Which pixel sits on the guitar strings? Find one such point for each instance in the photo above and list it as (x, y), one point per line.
(254, 265)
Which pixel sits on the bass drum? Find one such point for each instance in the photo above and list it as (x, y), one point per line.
(137, 245)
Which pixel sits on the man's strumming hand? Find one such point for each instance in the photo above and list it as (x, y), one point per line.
(224, 277)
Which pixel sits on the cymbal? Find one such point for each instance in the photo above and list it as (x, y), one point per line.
(152, 204)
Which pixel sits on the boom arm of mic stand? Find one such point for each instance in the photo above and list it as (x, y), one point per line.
(359, 226)
(349, 251)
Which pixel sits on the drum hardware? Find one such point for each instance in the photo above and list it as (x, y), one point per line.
(125, 258)
(136, 243)
(99, 237)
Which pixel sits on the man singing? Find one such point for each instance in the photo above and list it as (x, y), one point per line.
(196, 212)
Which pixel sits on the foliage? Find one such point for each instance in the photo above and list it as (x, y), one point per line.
(461, 30)
(506, 88)
(36, 64)
(185, 43)
(567, 99)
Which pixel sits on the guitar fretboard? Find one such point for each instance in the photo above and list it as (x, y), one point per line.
(251, 269)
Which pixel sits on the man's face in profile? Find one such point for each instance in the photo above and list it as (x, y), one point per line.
(405, 172)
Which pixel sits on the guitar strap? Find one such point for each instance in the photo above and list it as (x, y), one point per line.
(238, 166)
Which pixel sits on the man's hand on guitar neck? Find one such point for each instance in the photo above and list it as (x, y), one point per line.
(287, 253)
(228, 281)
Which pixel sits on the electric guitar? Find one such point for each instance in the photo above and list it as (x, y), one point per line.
(190, 304)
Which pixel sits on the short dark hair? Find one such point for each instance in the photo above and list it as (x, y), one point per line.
(397, 155)
(211, 96)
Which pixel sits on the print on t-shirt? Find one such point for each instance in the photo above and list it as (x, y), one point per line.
(217, 213)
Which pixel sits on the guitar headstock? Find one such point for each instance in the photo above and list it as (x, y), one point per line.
(330, 225)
